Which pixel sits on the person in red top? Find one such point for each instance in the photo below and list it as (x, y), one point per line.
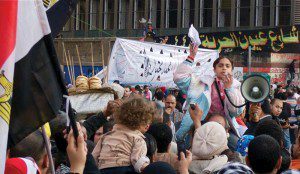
(147, 93)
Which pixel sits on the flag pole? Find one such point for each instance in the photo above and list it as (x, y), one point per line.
(79, 60)
(102, 59)
(92, 58)
(47, 142)
(107, 70)
(66, 57)
(72, 67)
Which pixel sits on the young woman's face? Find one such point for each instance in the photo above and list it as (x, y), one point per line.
(277, 108)
(223, 68)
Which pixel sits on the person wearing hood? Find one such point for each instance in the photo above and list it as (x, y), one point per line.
(209, 142)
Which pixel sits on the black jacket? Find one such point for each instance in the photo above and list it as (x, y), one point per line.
(93, 123)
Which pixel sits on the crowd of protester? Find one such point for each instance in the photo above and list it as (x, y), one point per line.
(154, 130)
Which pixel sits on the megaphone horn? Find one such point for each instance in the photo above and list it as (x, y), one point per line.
(255, 88)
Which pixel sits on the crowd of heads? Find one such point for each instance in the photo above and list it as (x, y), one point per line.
(136, 134)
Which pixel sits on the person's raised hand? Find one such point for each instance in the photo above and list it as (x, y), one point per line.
(168, 110)
(185, 162)
(82, 129)
(255, 113)
(227, 81)
(112, 106)
(196, 115)
(76, 151)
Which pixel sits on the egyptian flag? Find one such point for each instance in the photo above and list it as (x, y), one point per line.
(31, 84)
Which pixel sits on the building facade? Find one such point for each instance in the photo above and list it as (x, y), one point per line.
(121, 18)
(101, 21)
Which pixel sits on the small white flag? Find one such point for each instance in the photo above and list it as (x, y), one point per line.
(194, 36)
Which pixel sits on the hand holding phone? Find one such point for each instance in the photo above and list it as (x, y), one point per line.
(193, 106)
(196, 114)
(181, 148)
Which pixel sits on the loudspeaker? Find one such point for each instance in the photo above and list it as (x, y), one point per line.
(255, 88)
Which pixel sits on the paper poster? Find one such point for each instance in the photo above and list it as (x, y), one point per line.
(135, 62)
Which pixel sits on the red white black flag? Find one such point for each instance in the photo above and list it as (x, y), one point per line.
(31, 84)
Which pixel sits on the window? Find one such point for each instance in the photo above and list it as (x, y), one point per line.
(158, 15)
(262, 13)
(224, 13)
(243, 13)
(206, 9)
(109, 14)
(139, 13)
(94, 16)
(80, 15)
(153, 12)
(283, 12)
(188, 13)
(123, 8)
(171, 13)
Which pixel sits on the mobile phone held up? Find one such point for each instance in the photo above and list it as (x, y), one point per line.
(181, 148)
(193, 106)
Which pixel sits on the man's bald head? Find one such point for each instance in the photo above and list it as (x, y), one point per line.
(170, 102)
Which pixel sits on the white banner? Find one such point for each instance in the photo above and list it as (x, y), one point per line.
(140, 63)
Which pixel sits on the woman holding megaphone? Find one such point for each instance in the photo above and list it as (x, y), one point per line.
(208, 91)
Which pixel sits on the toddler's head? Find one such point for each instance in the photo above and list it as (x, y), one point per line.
(136, 113)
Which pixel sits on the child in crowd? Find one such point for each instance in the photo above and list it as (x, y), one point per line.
(282, 118)
(208, 92)
(123, 149)
(163, 136)
(151, 147)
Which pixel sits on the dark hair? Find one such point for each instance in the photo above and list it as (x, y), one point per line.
(281, 96)
(31, 146)
(290, 93)
(140, 92)
(179, 107)
(263, 154)
(146, 86)
(57, 126)
(266, 107)
(219, 59)
(271, 128)
(137, 87)
(274, 100)
(286, 161)
(151, 145)
(159, 95)
(162, 134)
(117, 81)
(159, 167)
